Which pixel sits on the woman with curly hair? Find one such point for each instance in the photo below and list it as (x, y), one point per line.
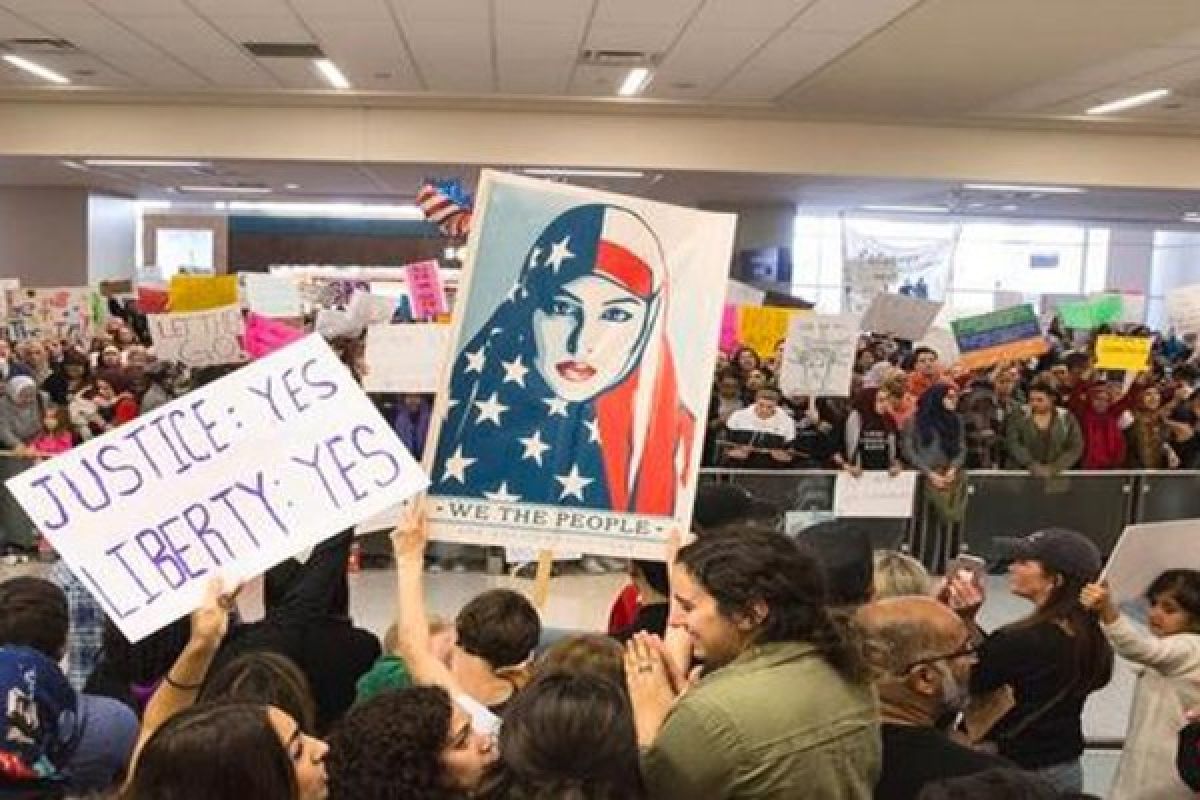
(414, 744)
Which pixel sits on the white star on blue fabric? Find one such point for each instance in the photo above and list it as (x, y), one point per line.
(534, 447)
(514, 371)
(573, 484)
(490, 409)
(558, 254)
(593, 430)
(558, 406)
(456, 466)
(534, 256)
(476, 361)
(502, 495)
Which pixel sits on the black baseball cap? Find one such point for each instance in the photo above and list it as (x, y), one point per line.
(1064, 551)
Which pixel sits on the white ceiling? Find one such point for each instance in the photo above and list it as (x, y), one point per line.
(953, 59)
(397, 183)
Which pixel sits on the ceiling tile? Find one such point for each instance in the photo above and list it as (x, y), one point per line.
(851, 16)
(655, 13)
(13, 27)
(260, 27)
(195, 43)
(536, 58)
(567, 13)
(788, 59)
(705, 58)
(730, 15)
(364, 50)
(645, 38)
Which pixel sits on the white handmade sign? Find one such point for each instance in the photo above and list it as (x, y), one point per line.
(865, 279)
(271, 295)
(900, 316)
(406, 358)
(1183, 309)
(198, 338)
(230, 479)
(371, 309)
(818, 356)
(874, 494)
(1145, 551)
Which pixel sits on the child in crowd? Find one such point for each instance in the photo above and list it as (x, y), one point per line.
(1168, 685)
(55, 437)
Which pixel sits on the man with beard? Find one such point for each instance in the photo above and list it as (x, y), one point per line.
(923, 652)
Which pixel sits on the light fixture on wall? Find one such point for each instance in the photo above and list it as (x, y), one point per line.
(904, 209)
(634, 82)
(1020, 189)
(330, 72)
(45, 73)
(1126, 103)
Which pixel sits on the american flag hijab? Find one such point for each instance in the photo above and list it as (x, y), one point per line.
(568, 394)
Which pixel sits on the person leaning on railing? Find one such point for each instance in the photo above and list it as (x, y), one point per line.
(1044, 439)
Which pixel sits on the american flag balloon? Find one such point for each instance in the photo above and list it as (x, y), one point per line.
(452, 217)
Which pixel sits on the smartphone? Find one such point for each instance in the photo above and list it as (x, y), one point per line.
(966, 567)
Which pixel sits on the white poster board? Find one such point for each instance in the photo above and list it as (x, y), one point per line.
(743, 294)
(874, 494)
(230, 479)
(1183, 309)
(198, 338)
(865, 279)
(818, 356)
(271, 295)
(1145, 551)
(371, 309)
(406, 358)
(900, 316)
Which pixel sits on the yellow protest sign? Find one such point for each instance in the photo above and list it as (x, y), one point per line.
(762, 327)
(202, 292)
(1130, 353)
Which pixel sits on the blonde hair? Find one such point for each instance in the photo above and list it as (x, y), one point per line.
(899, 575)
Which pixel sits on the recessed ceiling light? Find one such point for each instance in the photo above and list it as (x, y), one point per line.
(291, 186)
(330, 72)
(168, 163)
(584, 173)
(634, 82)
(1125, 103)
(908, 209)
(44, 73)
(1013, 187)
(227, 189)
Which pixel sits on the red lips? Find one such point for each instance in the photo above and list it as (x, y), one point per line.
(575, 371)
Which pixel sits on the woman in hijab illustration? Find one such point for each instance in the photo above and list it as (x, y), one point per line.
(568, 394)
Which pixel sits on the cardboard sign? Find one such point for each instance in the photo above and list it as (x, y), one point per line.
(818, 359)
(406, 358)
(742, 294)
(198, 338)
(231, 478)
(202, 292)
(1011, 334)
(425, 290)
(265, 335)
(1183, 309)
(571, 415)
(152, 299)
(875, 493)
(1130, 353)
(64, 314)
(1090, 314)
(271, 295)
(761, 328)
(1146, 551)
(900, 316)
(370, 309)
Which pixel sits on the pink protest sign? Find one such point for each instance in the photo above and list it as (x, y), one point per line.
(265, 335)
(425, 290)
(729, 328)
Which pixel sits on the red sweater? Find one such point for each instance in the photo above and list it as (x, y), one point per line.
(1103, 439)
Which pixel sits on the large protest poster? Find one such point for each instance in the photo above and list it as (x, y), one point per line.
(406, 358)
(900, 316)
(62, 313)
(866, 278)
(271, 295)
(762, 328)
(874, 494)
(1089, 314)
(232, 479)
(818, 358)
(202, 292)
(198, 338)
(1011, 334)
(583, 352)
(1129, 353)
(1183, 309)
(1146, 551)
(923, 260)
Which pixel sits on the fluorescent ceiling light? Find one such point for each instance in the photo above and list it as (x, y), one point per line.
(1133, 101)
(909, 209)
(1012, 187)
(634, 82)
(329, 209)
(143, 162)
(227, 189)
(330, 72)
(35, 69)
(585, 173)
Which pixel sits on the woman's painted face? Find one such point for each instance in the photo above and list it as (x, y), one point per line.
(586, 336)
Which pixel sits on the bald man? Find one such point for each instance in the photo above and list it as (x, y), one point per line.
(924, 653)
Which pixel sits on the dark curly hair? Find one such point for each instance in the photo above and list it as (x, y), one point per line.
(567, 736)
(33, 612)
(261, 676)
(389, 748)
(500, 626)
(745, 567)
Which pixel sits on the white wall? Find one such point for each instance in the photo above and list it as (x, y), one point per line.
(111, 238)
(43, 236)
